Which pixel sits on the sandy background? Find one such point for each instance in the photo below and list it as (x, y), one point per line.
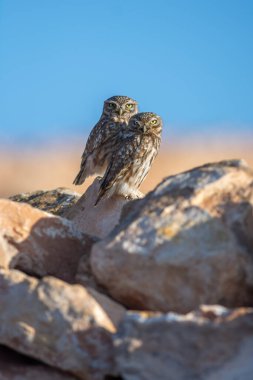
(50, 166)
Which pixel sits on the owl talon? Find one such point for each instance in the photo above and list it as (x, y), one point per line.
(130, 197)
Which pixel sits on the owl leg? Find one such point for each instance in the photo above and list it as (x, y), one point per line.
(138, 194)
(127, 191)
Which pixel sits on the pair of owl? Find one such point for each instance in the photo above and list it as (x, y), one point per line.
(121, 148)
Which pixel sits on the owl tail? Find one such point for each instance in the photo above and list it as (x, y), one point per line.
(105, 185)
(100, 195)
(80, 178)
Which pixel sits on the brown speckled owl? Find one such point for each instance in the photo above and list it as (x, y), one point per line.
(102, 139)
(133, 156)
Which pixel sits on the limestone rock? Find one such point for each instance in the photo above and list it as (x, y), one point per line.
(56, 201)
(39, 243)
(14, 366)
(211, 344)
(96, 220)
(112, 309)
(186, 243)
(60, 324)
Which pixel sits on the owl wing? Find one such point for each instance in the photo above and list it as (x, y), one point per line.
(118, 166)
(101, 133)
(98, 136)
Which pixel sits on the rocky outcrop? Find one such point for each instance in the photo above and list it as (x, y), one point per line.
(62, 325)
(213, 343)
(96, 220)
(39, 243)
(186, 243)
(56, 201)
(14, 366)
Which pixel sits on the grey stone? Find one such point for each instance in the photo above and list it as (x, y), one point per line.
(186, 243)
(60, 324)
(213, 343)
(56, 201)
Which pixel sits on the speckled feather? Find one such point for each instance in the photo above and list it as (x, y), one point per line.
(104, 136)
(133, 156)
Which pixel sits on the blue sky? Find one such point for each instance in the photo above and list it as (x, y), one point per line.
(191, 61)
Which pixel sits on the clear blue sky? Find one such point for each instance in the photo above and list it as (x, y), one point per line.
(191, 61)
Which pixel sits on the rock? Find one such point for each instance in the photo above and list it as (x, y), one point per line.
(14, 366)
(114, 311)
(60, 324)
(186, 243)
(39, 243)
(96, 220)
(212, 344)
(84, 275)
(56, 201)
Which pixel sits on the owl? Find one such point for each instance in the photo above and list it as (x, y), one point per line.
(100, 145)
(132, 157)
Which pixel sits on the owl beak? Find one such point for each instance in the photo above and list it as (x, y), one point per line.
(120, 112)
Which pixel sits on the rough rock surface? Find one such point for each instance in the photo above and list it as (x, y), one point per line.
(39, 243)
(56, 201)
(212, 344)
(96, 220)
(62, 325)
(14, 366)
(186, 243)
(112, 309)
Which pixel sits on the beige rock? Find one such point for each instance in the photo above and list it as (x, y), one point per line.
(96, 220)
(56, 201)
(212, 344)
(84, 275)
(186, 243)
(62, 325)
(112, 309)
(14, 366)
(39, 243)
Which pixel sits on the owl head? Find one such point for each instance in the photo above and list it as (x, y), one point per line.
(146, 123)
(120, 108)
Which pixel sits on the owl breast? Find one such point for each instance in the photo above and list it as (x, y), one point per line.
(141, 167)
(145, 154)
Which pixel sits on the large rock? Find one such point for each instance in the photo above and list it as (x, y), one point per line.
(186, 243)
(56, 201)
(62, 325)
(96, 220)
(39, 243)
(211, 344)
(14, 366)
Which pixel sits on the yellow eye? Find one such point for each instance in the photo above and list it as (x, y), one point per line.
(111, 105)
(129, 106)
(154, 121)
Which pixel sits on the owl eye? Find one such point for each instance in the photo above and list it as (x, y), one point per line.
(111, 105)
(129, 106)
(136, 123)
(154, 121)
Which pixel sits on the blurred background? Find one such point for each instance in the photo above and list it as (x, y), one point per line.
(188, 60)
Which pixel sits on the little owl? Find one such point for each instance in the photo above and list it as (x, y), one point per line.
(132, 157)
(99, 148)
